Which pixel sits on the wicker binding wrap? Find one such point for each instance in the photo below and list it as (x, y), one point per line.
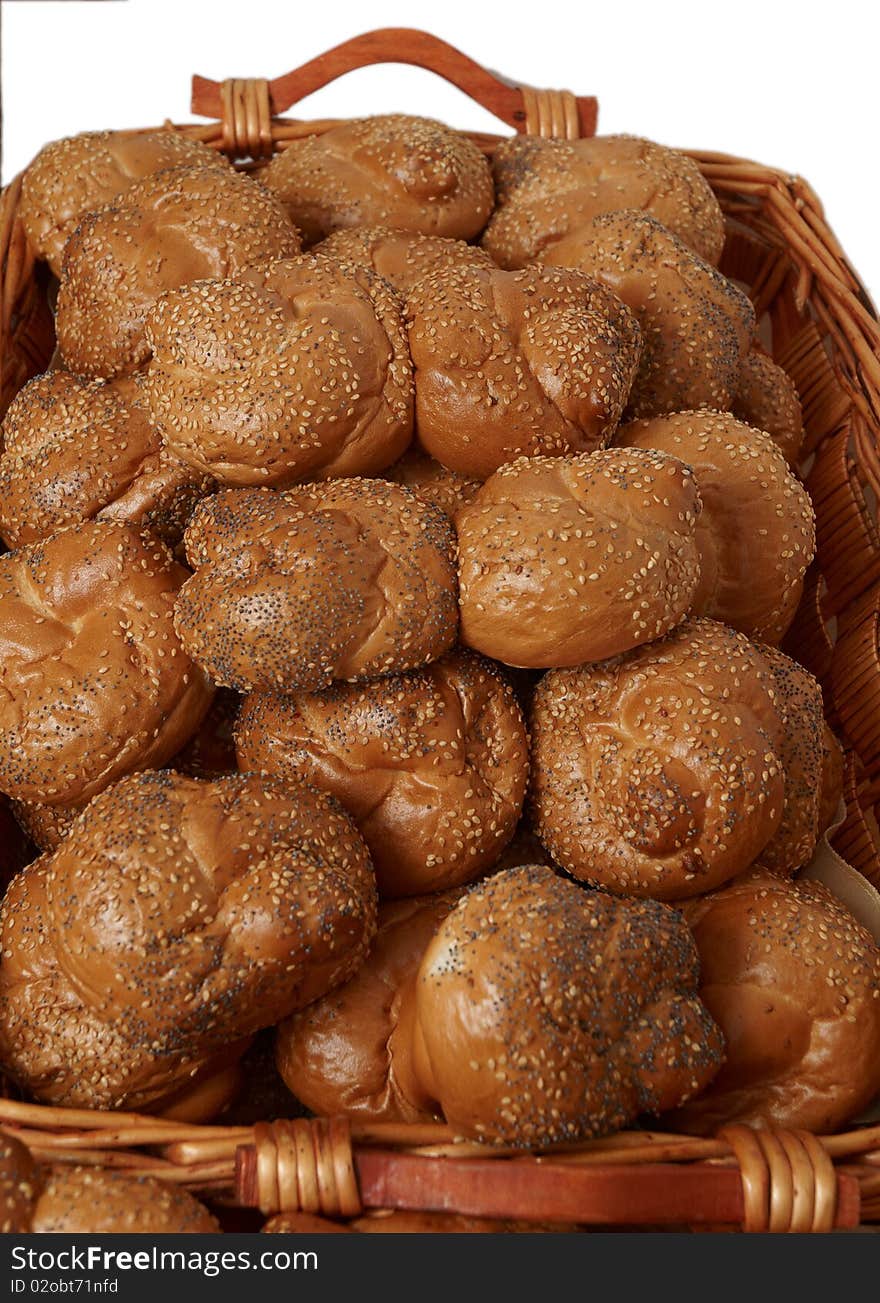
(821, 326)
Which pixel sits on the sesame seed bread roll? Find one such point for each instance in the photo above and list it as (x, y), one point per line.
(19, 1185)
(95, 680)
(544, 1013)
(802, 751)
(83, 450)
(570, 559)
(342, 580)
(548, 188)
(756, 531)
(659, 773)
(400, 257)
(431, 480)
(696, 324)
(180, 225)
(297, 370)
(508, 363)
(767, 399)
(410, 173)
(76, 175)
(432, 765)
(794, 983)
(176, 918)
(97, 1201)
(347, 1053)
(46, 825)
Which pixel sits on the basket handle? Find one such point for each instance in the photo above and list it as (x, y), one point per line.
(246, 106)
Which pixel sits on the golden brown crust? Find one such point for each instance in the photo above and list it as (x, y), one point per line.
(180, 225)
(544, 1012)
(696, 325)
(74, 176)
(659, 773)
(508, 363)
(431, 480)
(298, 369)
(410, 173)
(82, 450)
(548, 188)
(400, 257)
(432, 765)
(95, 681)
(20, 1181)
(570, 559)
(756, 531)
(96, 1201)
(794, 983)
(176, 918)
(766, 398)
(346, 1053)
(341, 580)
(801, 750)
(46, 825)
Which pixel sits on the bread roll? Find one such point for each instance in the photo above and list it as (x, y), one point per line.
(347, 1052)
(83, 450)
(534, 361)
(570, 559)
(766, 398)
(802, 752)
(544, 1013)
(74, 176)
(548, 188)
(177, 918)
(96, 682)
(660, 773)
(296, 370)
(756, 531)
(831, 793)
(46, 825)
(432, 765)
(181, 225)
(342, 580)
(19, 1185)
(794, 983)
(95, 1201)
(696, 325)
(410, 173)
(399, 257)
(431, 480)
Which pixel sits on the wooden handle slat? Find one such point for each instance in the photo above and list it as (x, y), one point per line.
(493, 92)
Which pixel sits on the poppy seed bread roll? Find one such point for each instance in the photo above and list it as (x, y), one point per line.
(792, 980)
(346, 1053)
(432, 765)
(570, 559)
(46, 825)
(296, 370)
(508, 363)
(176, 918)
(341, 580)
(411, 173)
(76, 175)
(548, 188)
(767, 399)
(756, 532)
(399, 257)
(180, 225)
(543, 1012)
(659, 773)
(696, 324)
(95, 680)
(82, 450)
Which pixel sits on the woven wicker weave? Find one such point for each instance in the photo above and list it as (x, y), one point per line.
(821, 326)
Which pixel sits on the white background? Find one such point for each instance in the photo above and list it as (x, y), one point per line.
(792, 84)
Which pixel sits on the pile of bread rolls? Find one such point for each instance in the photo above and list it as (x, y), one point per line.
(400, 546)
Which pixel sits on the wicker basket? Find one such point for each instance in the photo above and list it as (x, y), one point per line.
(821, 326)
